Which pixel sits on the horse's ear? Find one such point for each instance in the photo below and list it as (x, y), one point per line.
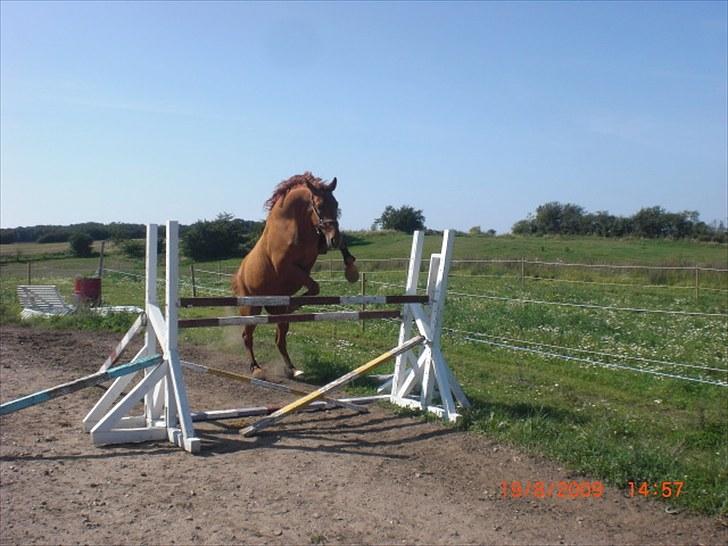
(331, 187)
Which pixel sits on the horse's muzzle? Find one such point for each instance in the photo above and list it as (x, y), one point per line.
(335, 241)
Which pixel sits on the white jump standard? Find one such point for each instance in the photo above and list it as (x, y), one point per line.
(421, 376)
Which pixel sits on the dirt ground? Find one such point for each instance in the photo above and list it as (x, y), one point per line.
(328, 477)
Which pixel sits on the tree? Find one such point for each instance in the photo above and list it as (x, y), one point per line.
(405, 219)
(80, 244)
(572, 219)
(548, 218)
(650, 222)
(524, 227)
(7, 236)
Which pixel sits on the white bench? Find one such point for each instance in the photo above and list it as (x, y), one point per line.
(42, 300)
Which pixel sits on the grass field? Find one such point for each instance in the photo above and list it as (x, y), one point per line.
(541, 375)
(32, 251)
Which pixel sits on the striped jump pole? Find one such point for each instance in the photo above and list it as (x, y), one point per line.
(288, 317)
(267, 385)
(319, 393)
(78, 384)
(287, 301)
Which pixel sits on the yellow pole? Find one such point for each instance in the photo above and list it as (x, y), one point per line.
(306, 400)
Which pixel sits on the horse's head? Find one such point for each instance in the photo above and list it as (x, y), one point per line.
(325, 211)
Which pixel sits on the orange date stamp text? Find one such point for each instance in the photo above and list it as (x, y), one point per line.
(547, 490)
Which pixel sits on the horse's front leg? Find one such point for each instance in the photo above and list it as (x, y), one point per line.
(351, 272)
(312, 287)
(300, 277)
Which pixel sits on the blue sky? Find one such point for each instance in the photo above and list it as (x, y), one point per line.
(475, 113)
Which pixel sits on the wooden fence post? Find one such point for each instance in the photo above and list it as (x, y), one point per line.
(363, 293)
(697, 283)
(100, 272)
(523, 273)
(194, 286)
(29, 277)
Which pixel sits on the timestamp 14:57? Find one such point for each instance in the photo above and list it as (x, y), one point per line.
(659, 489)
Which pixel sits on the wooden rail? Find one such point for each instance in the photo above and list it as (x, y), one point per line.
(286, 301)
(288, 317)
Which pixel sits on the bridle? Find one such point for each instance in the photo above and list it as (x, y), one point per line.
(322, 224)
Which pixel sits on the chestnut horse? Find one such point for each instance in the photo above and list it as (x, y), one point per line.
(302, 223)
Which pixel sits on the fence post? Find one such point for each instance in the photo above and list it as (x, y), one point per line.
(100, 272)
(29, 272)
(363, 293)
(523, 273)
(194, 286)
(697, 283)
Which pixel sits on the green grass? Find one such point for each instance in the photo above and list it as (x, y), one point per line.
(614, 425)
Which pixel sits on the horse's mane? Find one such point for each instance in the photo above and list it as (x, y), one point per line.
(284, 187)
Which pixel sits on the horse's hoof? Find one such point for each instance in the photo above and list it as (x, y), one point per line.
(258, 373)
(351, 273)
(297, 374)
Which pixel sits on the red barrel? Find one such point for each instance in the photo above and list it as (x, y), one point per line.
(88, 290)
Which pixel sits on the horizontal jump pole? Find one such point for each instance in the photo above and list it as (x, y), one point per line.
(319, 393)
(257, 411)
(78, 384)
(238, 413)
(286, 301)
(242, 378)
(288, 317)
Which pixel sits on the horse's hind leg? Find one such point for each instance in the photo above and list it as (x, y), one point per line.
(248, 331)
(281, 331)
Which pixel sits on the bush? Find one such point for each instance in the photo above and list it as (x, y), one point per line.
(224, 237)
(132, 249)
(81, 244)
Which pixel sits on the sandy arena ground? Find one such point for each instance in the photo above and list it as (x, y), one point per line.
(328, 477)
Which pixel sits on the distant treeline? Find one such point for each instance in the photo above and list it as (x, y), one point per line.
(651, 222)
(61, 234)
(220, 235)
